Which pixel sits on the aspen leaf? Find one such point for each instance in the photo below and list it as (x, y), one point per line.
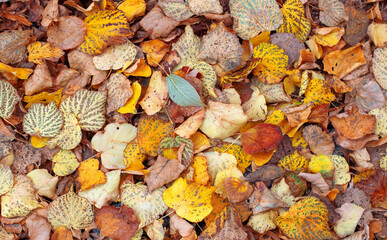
(68, 33)
(191, 125)
(70, 211)
(111, 143)
(222, 120)
(118, 91)
(21, 73)
(293, 162)
(341, 175)
(13, 45)
(201, 174)
(191, 201)
(208, 77)
(261, 158)
(356, 25)
(321, 164)
(221, 47)
(262, 222)
(381, 121)
(151, 130)
(268, 17)
(116, 56)
(255, 108)
(237, 190)
(182, 92)
(38, 51)
(155, 51)
(262, 137)
(101, 194)
(65, 163)
(294, 20)
(70, 135)
(88, 107)
(8, 99)
(273, 65)
(43, 121)
(319, 141)
(306, 219)
(104, 28)
(20, 201)
(379, 66)
(168, 143)
(231, 171)
(199, 7)
(178, 10)
(187, 47)
(243, 159)
(44, 98)
(147, 206)
(6, 179)
(130, 105)
(383, 163)
(350, 216)
(89, 175)
(44, 183)
(132, 8)
(133, 158)
(156, 95)
(332, 12)
(318, 92)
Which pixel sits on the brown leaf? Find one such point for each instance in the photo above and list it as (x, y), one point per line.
(319, 141)
(38, 228)
(319, 114)
(232, 228)
(266, 174)
(50, 13)
(237, 190)
(40, 80)
(117, 223)
(375, 187)
(62, 234)
(191, 125)
(289, 43)
(156, 95)
(352, 124)
(262, 199)
(262, 137)
(119, 91)
(297, 114)
(68, 33)
(356, 26)
(354, 144)
(163, 171)
(13, 45)
(26, 157)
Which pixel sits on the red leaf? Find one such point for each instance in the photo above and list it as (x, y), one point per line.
(262, 137)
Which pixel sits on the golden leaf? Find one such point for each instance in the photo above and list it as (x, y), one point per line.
(155, 51)
(132, 8)
(21, 73)
(318, 92)
(293, 162)
(89, 175)
(65, 163)
(341, 175)
(44, 98)
(201, 174)
(38, 52)
(156, 94)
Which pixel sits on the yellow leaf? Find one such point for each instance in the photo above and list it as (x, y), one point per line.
(321, 164)
(289, 86)
(6, 177)
(21, 73)
(39, 142)
(383, 163)
(132, 8)
(44, 183)
(130, 105)
(379, 66)
(133, 158)
(104, 28)
(381, 121)
(298, 139)
(243, 159)
(273, 65)
(315, 48)
(242, 74)
(70, 135)
(329, 36)
(8, 99)
(201, 174)
(200, 141)
(65, 163)
(255, 108)
(276, 117)
(318, 92)
(378, 33)
(231, 171)
(261, 158)
(156, 94)
(44, 98)
(89, 175)
(341, 175)
(293, 162)
(155, 51)
(264, 221)
(141, 69)
(38, 52)
(305, 220)
(263, 37)
(116, 56)
(294, 20)
(190, 201)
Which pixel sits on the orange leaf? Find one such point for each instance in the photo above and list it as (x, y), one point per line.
(262, 137)
(237, 190)
(39, 51)
(155, 51)
(62, 234)
(89, 175)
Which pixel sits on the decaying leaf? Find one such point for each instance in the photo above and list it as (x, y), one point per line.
(237, 190)
(321, 164)
(318, 92)
(378, 33)
(342, 175)
(156, 95)
(293, 162)
(332, 12)
(119, 91)
(263, 222)
(178, 10)
(350, 216)
(199, 7)
(255, 108)
(38, 51)
(8, 99)
(319, 142)
(68, 33)
(289, 43)
(13, 45)
(356, 25)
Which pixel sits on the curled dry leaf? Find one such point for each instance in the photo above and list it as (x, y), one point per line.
(362, 159)
(157, 24)
(379, 66)
(41, 79)
(297, 114)
(184, 148)
(332, 12)
(8, 99)
(268, 17)
(21, 73)
(156, 94)
(119, 91)
(68, 33)
(356, 25)
(130, 105)
(191, 125)
(13, 45)
(262, 137)
(50, 13)
(367, 94)
(319, 141)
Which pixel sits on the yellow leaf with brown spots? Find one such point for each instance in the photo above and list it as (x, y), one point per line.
(39, 51)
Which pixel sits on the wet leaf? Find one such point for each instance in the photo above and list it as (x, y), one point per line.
(356, 26)
(13, 45)
(332, 12)
(70, 135)
(104, 28)
(156, 95)
(70, 211)
(306, 219)
(68, 33)
(65, 163)
(268, 17)
(262, 137)
(116, 56)
(39, 51)
(8, 99)
(181, 92)
(379, 66)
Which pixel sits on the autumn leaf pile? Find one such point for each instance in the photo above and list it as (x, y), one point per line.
(173, 119)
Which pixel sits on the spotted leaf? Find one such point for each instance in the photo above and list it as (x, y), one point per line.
(8, 99)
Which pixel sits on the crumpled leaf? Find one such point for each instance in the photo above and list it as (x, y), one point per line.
(289, 43)
(356, 25)
(65, 163)
(191, 201)
(378, 34)
(6, 235)
(316, 180)
(112, 142)
(8, 99)
(13, 45)
(255, 108)
(88, 107)
(44, 183)
(70, 135)
(118, 91)
(350, 216)
(267, 17)
(104, 28)
(38, 51)
(132, 8)
(294, 20)
(21, 73)
(147, 206)
(89, 175)
(274, 62)
(20, 201)
(263, 222)
(151, 130)
(262, 137)
(70, 211)
(379, 66)
(362, 159)
(41, 79)
(181, 226)
(156, 95)
(68, 33)
(43, 121)
(184, 149)
(116, 56)
(182, 92)
(178, 10)
(332, 12)
(44, 98)
(221, 47)
(342, 175)
(319, 141)
(211, 6)
(108, 191)
(342, 62)
(306, 219)
(222, 120)
(297, 114)
(6, 177)
(116, 223)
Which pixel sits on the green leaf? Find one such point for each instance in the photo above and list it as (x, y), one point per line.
(181, 92)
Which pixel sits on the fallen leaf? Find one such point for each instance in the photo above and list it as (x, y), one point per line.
(65, 163)
(7, 179)
(297, 114)
(367, 94)
(182, 92)
(132, 8)
(208, 77)
(274, 93)
(104, 28)
(44, 98)
(130, 105)
(156, 94)
(221, 47)
(62, 233)
(231, 171)
(70, 135)
(116, 56)
(263, 222)
(44, 183)
(184, 149)
(289, 43)
(362, 159)
(155, 51)
(217, 162)
(329, 36)
(232, 228)
(241, 75)
(356, 25)
(378, 33)
(321, 164)
(381, 121)
(191, 125)
(255, 108)
(316, 180)
(318, 92)
(119, 91)
(147, 206)
(50, 13)
(350, 216)
(262, 137)
(237, 190)
(70, 211)
(6, 235)
(38, 227)
(21, 73)
(89, 175)
(201, 174)
(139, 69)
(342, 175)
(191, 201)
(294, 20)
(379, 66)
(319, 141)
(68, 33)
(268, 17)
(374, 186)
(182, 227)
(222, 120)
(293, 162)
(199, 7)
(243, 160)
(38, 51)
(13, 45)
(178, 10)
(332, 12)
(187, 47)
(309, 213)
(274, 62)
(20, 200)
(133, 158)
(8, 99)
(25, 157)
(116, 223)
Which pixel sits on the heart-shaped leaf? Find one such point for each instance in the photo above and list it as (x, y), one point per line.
(182, 93)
